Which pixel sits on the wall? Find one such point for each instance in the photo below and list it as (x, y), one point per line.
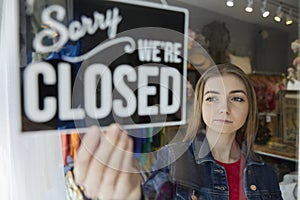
(272, 53)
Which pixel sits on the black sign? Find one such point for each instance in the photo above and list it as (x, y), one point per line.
(100, 62)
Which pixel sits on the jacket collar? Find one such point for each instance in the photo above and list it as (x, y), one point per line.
(202, 153)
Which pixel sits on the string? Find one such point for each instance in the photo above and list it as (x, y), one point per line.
(164, 2)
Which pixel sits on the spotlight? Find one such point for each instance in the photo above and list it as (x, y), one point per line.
(230, 3)
(249, 6)
(264, 11)
(279, 14)
(288, 19)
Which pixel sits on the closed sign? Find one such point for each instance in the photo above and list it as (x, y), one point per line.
(101, 62)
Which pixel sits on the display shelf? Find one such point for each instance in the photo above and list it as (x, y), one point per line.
(271, 114)
(288, 153)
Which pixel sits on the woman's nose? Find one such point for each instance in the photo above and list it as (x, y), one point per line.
(225, 107)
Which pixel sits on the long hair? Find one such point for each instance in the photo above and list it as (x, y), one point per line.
(248, 131)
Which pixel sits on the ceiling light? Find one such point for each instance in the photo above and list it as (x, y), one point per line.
(264, 11)
(279, 14)
(288, 19)
(230, 3)
(249, 6)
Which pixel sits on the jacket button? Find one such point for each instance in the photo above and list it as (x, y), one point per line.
(253, 187)
(194, 197)
(220, 188)
(219, 171)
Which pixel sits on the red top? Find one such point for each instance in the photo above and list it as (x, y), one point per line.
(235, 175)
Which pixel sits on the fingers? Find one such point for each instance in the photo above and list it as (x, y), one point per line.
(120, 153)
(99, 159)
(87, 148)
(132, 189)
(106, 168)
(115, 162)
(94, 174)
(130, 178)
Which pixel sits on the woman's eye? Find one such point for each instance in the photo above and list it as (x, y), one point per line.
(238, 99)
(211, 99)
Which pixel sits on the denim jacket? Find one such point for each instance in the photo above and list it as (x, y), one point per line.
(188, 169)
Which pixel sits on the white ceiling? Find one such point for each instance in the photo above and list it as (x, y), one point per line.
(255, 17)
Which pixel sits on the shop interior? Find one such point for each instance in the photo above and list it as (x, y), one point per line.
(264, 48)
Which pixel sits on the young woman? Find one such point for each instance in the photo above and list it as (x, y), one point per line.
(215, 160)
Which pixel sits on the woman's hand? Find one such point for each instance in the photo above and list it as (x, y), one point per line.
(104, 165)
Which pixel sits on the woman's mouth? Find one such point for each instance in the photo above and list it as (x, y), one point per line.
(223, 120)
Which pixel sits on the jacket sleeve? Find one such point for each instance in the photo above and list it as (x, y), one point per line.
(158, 185)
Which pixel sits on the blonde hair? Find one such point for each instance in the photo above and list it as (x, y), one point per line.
(248, 131)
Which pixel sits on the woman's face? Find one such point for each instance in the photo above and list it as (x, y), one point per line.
(225, 104)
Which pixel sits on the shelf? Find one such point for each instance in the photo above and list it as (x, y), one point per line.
(272, 114)
(288, 153)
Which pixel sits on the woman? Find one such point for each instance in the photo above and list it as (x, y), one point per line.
(218, 161)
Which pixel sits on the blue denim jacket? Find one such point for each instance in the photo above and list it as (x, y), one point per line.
(188, 168)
